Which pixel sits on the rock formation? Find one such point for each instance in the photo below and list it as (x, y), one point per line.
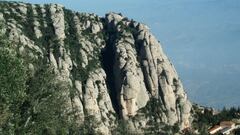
(114, 65)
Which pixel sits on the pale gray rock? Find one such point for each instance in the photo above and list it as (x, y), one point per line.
(22, 8)
(97, 101)
(36, 24)
(87, 24)
(1, 17)
(95, 28)
(159, 76)
(114, 17)
(53, 61)
(57, 16)
(130, 82)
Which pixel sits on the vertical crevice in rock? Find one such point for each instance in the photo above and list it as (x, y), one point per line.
(108, 58)
(139, 45)
(40, 19)
(161, 95)
(48, 32)
(72, 44)
(28, 25)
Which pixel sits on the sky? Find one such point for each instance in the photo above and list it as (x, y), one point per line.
(201, 38)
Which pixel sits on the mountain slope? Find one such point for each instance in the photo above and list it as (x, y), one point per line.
(115, 67)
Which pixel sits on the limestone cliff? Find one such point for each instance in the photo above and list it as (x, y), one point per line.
(116, 68)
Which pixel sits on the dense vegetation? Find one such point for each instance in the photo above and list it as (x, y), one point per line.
(12, 85)
(29, 103)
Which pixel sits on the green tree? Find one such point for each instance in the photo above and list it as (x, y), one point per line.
(46, 104)
(122, 128)
(35, 104)
(237, 132)
(12, 85)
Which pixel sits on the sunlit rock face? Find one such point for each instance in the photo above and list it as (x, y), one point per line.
(115, 66)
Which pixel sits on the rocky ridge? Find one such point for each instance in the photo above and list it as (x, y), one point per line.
(116, 68)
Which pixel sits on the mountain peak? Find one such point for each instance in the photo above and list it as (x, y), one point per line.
(115, 67)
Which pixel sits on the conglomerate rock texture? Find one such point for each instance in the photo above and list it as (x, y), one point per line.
(115, 66)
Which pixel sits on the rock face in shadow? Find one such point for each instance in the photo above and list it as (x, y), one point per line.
(116, 68)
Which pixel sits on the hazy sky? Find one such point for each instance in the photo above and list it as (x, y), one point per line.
(201, 37)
